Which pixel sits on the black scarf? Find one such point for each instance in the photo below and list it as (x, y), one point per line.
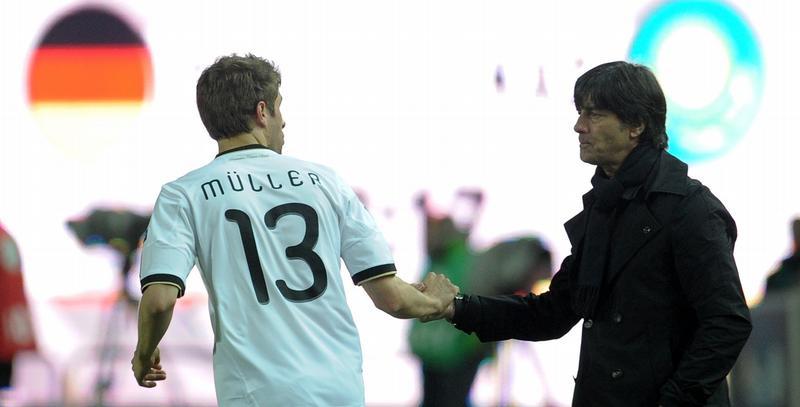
(607, 194)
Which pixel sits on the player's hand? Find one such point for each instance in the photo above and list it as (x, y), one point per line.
(441, 289)
(147, 370)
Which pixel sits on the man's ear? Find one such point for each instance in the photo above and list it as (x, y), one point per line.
(262, 113)
(636, 131)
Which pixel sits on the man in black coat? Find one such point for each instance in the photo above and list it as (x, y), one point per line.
(651, 270)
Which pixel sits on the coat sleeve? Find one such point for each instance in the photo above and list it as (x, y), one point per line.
(531, 317)
(703, 236)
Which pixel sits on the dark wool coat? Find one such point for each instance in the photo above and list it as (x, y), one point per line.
(671, 318)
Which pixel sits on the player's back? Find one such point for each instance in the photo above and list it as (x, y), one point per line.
(268, 233)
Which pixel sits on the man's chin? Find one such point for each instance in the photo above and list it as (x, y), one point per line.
(588, 159)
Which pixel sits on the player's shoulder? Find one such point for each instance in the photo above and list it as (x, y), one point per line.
(189, 176)
(181, 183)
(313, 167)
(298, 162)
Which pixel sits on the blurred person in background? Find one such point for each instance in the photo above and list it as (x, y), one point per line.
(651, 271)
(267, 233)
(16, 329)
(787, 275)
(449, 359)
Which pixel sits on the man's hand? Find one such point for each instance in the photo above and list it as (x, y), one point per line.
(440, 288)
(147, 370)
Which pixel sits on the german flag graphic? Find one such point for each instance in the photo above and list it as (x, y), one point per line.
(88, 79)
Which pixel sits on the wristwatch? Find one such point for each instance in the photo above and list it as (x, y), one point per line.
(459, 301)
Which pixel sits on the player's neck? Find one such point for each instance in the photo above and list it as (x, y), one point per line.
(241, 140)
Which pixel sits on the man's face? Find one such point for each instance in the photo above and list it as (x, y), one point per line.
(275, 125)
(604, 139)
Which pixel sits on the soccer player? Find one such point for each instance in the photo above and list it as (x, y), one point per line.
(267, 232)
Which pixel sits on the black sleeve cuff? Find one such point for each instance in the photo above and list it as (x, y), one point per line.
(464, 313)
(373, 272)
(165, 279)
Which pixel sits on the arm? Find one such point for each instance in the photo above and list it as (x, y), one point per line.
(155, 314)
(703, 235)
(532, 317)
(399, 299)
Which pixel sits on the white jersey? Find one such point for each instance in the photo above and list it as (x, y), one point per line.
(267, 232)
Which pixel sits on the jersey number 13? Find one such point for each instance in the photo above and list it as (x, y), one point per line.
(303, 251)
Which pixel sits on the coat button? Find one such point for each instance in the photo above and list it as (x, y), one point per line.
(617, 318)
(616, 374)
(646, 229)
(588, 323)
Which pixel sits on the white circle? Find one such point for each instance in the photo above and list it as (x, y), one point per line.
(693, 65)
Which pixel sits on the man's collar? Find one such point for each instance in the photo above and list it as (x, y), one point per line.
(670, 176)
(247, 147)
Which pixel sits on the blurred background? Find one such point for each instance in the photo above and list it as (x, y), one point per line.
(454, 110)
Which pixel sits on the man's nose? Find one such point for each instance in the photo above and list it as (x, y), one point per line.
(580, 125)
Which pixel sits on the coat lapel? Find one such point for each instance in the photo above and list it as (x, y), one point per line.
(576, 227)
(638, 225)
(635, 228)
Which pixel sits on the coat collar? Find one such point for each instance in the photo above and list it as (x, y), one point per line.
(670, 176)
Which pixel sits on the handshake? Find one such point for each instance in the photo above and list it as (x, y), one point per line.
(440, 293)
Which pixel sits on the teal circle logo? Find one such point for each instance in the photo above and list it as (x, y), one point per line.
(709, 63)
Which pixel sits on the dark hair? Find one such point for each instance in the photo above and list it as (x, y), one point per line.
(229, 90)
(630, 91)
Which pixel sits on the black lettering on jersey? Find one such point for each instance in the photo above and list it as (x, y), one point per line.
(210, 185)
(272, 184)
(238, 178)
(250, 177)
(294, 176)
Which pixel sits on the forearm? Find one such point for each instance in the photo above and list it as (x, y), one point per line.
(152, 327)
(501, 317)
(155, 315)
(411, 303)
(531, 317)
(399, 299)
